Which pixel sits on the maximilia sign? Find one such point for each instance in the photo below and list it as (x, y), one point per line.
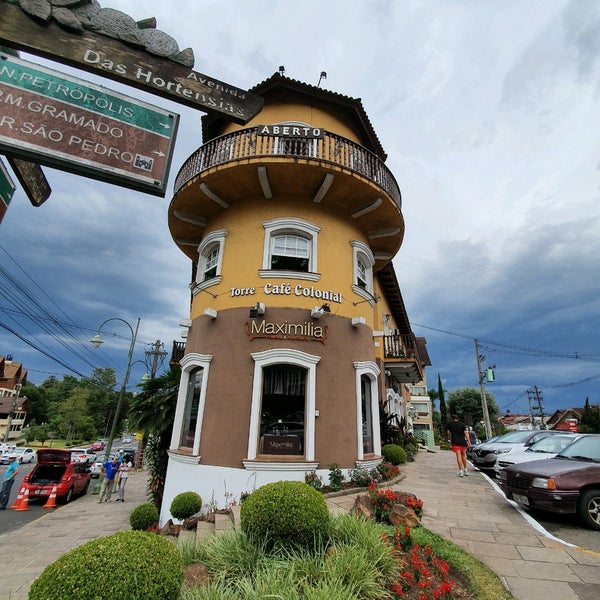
(308, 331)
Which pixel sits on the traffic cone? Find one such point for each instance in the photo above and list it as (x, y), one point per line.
(24, 501)
(19, 499)
(51, 503)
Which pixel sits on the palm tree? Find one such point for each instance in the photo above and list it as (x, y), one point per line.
(152, 412)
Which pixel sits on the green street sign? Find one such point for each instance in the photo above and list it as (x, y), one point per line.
(7, 187)
(55, 119)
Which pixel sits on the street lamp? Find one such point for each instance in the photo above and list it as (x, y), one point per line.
(97, 341)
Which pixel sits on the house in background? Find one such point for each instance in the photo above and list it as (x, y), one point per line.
(13, 407)
(565, 420)
(297, 329)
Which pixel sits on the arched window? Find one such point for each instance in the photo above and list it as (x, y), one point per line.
(210, 259)
(367, 405)
(187, 425)
(363, 262)
(290, 249)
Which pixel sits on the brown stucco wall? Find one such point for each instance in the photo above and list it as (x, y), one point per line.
(224, 439)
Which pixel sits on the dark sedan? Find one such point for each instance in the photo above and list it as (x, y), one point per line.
(568, 483)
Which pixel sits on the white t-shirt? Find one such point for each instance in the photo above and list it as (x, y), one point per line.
(124, 470)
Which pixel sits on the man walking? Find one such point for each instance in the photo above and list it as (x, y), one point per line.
(8, 481)
(458, 436)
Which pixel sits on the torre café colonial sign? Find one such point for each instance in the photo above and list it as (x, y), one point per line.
(110, 43)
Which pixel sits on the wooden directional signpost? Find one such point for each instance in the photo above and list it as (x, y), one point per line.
(64, 122)
(7, 189)
(50, 118)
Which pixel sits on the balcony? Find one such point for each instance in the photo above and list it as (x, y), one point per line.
(245, 166)
(402, 358)
(331, 149)
(177, 353)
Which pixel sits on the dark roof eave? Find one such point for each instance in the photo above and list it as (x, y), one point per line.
(352, 105)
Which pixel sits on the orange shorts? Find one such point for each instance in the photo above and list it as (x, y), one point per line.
(456, 448)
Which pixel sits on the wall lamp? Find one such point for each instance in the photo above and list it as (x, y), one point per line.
(318, 311)
(258, 309)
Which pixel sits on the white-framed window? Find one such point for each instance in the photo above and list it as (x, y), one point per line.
(187, 425)
(363, 262)
(290, 249)
(367, 409)
(210, 259)
(304, 377)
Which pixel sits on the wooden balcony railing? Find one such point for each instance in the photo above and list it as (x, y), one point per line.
(400, 346)
(177, 352)
(331, 148)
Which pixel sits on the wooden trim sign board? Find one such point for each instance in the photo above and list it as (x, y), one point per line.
(64, 122)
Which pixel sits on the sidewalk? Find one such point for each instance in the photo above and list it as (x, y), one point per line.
(26, 552)
(467, 511)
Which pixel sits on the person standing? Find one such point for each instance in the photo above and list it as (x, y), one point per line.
(124, 470)
(8, 481)
(109, 469)
(458, 436)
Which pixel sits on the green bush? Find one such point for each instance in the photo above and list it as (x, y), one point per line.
(286, 512)
(144, 516)
(122, 566)
(394, 454)
(336, 477)
(186, 504)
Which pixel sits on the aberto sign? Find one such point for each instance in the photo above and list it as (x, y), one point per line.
(64, 122)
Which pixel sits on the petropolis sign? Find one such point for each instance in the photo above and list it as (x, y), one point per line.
(289, 289)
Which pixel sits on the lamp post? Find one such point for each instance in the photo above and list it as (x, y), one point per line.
(96, 341)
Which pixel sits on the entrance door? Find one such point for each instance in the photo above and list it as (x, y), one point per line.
(282, 415)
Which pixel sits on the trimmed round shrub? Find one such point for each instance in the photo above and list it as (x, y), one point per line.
(286, 512)
(394, 454)
(144, 516)
(122, 566)
(185, 505)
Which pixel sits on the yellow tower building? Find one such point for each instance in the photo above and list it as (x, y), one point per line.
(297, 328)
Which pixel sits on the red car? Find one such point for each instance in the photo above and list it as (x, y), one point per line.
(98, 445)
(55, 469)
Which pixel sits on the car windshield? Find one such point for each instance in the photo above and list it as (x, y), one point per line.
(551, 443)
(514, 437)
(585, 448)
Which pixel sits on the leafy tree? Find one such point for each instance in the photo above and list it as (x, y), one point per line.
(443, 409)
(590, 418)
(152, 412)
(102, 398)
(75, 421)
(466, 403)
(38, 402)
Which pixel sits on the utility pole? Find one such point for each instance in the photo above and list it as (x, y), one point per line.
(484, 406)
(157, 353)
(535, 404)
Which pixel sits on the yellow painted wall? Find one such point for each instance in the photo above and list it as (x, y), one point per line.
(243, 254)
(297, 112)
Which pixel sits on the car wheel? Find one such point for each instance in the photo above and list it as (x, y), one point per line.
(588, 508)
(68, 496)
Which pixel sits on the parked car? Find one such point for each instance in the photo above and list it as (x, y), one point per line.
(54, 468)
(569, 483)
(127, 439)
(83, 455)
(547, 447)
(98, 445)
(24, 455)
(471, 448)
(485, 455)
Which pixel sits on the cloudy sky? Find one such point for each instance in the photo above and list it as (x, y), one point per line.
(489, 113)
